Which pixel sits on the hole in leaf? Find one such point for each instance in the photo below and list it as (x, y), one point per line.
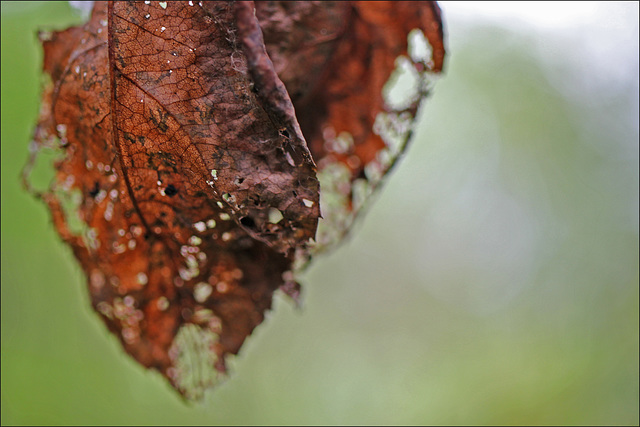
(95, 190)
(247, 221)
(170, 190)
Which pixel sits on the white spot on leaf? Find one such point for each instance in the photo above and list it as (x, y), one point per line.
(275, 216)
(162, 303)
(142, 278)
(201, 291)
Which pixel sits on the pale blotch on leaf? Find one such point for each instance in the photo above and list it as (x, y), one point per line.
(70, 201)
(335, 181)
(202, 291)
(194, 363)
(142, 278)
(162, 303)
(195, 240)
(275, 216)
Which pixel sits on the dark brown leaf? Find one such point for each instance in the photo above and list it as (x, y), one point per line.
(184, 184)
(335, 58)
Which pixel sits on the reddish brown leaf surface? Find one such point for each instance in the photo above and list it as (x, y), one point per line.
(183, 181)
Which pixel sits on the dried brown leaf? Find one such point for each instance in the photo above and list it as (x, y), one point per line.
(336, 59)
(183, 182)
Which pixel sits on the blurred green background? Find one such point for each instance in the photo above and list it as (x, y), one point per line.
(495, 281)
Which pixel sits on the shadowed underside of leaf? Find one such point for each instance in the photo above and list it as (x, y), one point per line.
(336, 59)
(184, 184)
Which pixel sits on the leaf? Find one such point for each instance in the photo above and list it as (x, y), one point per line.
(183, 182)
(335, 58)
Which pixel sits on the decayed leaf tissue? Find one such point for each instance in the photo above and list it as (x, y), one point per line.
(203, 152)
